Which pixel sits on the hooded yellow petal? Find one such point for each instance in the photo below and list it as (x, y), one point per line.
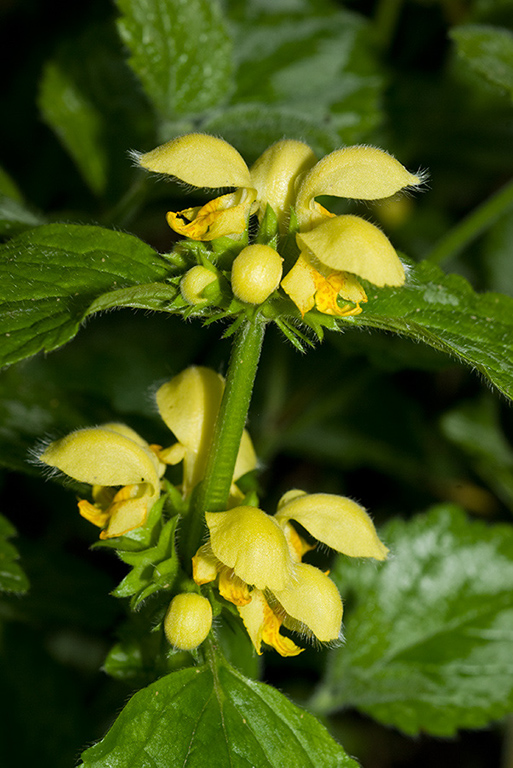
(314, 601)
(101, 456)
(351, 244)
(199, 160)
(123, 429)
(275, 172)
(253, 544)
(360, 173)
(337, 521)
(189, 404)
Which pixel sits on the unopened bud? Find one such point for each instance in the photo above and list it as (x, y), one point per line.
(194, 282)
(188, 621)
(256, 273)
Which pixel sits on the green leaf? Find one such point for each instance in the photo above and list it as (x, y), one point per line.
(14, 215)
(428, 642)
(219, 718)
(180, 51)
(311, 59)
(12, 578)
(91, 100)
(445, 312)
(488, 50)
(476, 428)
(51, 275)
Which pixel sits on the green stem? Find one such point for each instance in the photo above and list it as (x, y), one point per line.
(212, 494)
(473, 225)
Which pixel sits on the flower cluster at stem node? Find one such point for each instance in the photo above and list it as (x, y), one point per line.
(257, 560)
(332, 251)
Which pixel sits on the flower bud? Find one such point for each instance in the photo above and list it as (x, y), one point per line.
(193, 283)
(256, 273)
(188, 621)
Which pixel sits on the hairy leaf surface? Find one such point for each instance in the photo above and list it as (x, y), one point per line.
(428, 644)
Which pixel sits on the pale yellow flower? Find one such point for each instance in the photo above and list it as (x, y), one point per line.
(334, 250)
(200, 160)
(189, 405)
(257, 559)
(337, 249)
(108, 457)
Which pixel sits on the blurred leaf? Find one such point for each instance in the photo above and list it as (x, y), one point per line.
(15, 217)
(489, 50)
(444, 312)
(180, 51)
(90, 98)
(8, 187)
(497, 247)
(252, 129)
(214, 717)
(475, 427)
(12, 577)
(311, 59)
(428, 642)
(53, 274)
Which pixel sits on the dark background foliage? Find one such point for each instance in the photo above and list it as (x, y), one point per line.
(381, 418)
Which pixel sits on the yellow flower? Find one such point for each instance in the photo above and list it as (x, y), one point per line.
(108, 457)
(334, 250)
(189, 405)
(206, 161)
(257, 559)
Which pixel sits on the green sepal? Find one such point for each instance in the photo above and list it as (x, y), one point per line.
(268, 230)
(153, 569)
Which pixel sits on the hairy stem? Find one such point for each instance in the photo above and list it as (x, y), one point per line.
(212, 494)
